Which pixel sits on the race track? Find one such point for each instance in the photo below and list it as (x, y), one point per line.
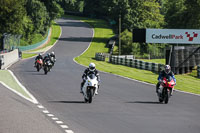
(122, 106)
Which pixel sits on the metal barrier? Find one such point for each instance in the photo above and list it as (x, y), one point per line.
(122, 60)
(33, 46)
(100, 56)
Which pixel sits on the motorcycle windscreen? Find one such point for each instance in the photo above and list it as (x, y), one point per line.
(91, 76)
(169, 78)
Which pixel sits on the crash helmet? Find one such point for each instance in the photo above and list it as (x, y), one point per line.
(52, 53)
(39, 54)
(167, 69)
(91, 66)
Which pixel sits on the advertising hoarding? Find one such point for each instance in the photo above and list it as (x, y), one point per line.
(175, 36)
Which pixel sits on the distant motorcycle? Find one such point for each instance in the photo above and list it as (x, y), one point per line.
(47, 66)
(90, 87)
(165, 89)
(53, 60)
(39, 64)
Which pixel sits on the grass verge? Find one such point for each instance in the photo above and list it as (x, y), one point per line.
(56, 31)
(159, 61)
(7, 78)
(185, 82)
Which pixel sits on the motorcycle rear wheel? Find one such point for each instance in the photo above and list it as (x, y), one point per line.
(85, 100)
(160, 100)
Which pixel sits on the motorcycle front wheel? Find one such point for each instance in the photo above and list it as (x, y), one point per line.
(90, 93)
(38, 67)
(166, 97)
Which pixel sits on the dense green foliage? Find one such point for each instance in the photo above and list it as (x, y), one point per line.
(182, 14)
(11, 16)
(29, 18)
(32, 18)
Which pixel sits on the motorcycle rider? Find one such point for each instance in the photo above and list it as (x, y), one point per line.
(52, 54)
(164, 73)
(46, 58)
(38, 58)
(90, 69)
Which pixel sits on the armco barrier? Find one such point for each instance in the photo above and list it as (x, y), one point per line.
(122, 60)
(100, 56)
(33, 46)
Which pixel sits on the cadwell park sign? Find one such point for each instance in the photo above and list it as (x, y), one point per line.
(173, 36)
(176, 36)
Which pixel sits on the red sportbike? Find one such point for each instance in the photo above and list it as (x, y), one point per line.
(166, 87)
(39, 64)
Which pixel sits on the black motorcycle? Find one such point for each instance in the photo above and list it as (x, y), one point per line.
(47, 66)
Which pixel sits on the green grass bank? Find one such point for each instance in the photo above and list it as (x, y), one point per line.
(56, 31)
(186, 82)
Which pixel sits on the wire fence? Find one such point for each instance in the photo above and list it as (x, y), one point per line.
(11, 42)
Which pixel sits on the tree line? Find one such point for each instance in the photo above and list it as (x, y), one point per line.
(30, 17)
(177, 14)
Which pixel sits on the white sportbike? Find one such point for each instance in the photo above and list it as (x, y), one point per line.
(90, 87)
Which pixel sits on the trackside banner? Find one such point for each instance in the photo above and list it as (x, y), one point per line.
(177, 36)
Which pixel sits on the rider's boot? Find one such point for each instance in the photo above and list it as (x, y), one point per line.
(96, 91)
(171, 92)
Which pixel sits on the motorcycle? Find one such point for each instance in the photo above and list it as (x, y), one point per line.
(90, 87)
(39, 64)
(53, 60)
(165, 89)
(47, 66)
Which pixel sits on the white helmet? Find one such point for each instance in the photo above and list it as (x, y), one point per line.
(167, 69)
(92, 67)
(52, 53)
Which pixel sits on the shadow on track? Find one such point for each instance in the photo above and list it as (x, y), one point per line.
(145, 102)
(38, 74)
(66, 101)
(31, 71)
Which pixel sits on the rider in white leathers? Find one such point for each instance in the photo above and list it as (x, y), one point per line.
(87, 71)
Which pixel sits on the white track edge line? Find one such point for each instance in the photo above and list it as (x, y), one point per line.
(33, 99)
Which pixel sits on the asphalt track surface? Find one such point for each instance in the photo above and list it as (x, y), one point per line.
(122, 106)
(21, 116)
